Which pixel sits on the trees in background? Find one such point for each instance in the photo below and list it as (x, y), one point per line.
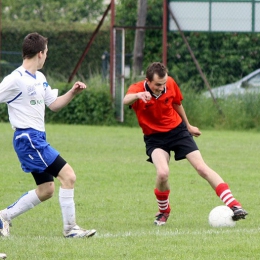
(139, 38)
(52, 10)
(224, 57)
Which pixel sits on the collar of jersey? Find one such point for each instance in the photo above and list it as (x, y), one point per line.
(32, 75)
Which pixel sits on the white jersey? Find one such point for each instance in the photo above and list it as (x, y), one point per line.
(26, 96)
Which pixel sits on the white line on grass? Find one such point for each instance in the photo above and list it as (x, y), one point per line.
(177, 232)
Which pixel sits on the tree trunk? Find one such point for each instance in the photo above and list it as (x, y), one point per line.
(139, 38)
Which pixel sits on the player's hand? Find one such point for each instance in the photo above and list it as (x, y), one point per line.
(194, 131)
(145, 96)
(78, 87)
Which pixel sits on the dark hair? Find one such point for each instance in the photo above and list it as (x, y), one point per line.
(156, 68)
(33, 43)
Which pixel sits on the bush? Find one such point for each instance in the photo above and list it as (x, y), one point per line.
(66, 44)
(95, 107)
(92, 107)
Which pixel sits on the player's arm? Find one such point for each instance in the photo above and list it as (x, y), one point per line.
(65, 99)
(129, 99)
(9, 89)
(192, 129)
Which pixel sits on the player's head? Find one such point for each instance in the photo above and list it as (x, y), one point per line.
(34, 43)
(156, 77)
(156, 68)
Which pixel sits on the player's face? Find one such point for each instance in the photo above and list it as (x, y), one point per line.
(157, 85)
(43, 56)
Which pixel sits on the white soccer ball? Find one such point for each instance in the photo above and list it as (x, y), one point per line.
(221, 216)
(2, 256)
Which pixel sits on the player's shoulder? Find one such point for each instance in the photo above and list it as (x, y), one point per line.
(170, 79)
(12, 77)
(137, 86)
(171, 82)
(18, 72)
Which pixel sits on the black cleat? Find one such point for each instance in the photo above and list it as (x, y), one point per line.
(239, 213)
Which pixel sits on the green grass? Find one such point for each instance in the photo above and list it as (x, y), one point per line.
(114, 194)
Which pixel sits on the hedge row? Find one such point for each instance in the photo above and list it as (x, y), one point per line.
(66, 44)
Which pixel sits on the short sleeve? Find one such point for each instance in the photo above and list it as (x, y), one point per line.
(9, 89)
(50, 95)
(177, 97)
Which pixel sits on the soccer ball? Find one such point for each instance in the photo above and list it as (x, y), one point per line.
(221, 216)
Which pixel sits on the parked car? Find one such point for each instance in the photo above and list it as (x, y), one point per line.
(248, 84)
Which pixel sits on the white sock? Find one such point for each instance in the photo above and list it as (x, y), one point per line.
(66, 199)
(24, 203)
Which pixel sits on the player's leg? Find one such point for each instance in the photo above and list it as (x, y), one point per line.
(203, 169)
(217, 183)
(67, 178)
(44, 191)
(160, 160)
(34, 154)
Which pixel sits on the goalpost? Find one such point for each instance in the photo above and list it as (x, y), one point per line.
(118, 69)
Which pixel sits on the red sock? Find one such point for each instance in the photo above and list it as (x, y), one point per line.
(163, 200)
(226, 196)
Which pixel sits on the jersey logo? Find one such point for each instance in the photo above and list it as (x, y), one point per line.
(45, 85)
(36, 102)
(166, 100)
(147, 105)
(31, 90)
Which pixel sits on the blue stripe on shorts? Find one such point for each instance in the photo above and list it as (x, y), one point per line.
(33, 151)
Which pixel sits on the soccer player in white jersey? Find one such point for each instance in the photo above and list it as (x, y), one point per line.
(26, 93)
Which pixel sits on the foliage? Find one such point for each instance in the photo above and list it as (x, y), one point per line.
(92, 107)
(126, 16)
(237, 112)
(95, 107)
(51, 10)
(223, 57)
(115, 184)
(66, 44)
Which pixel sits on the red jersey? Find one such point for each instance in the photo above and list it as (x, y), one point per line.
(158, 114)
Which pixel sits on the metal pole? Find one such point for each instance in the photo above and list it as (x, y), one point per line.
(88, 45)
(0, 36)
(195, 61)
(164, 41)
(112, 48)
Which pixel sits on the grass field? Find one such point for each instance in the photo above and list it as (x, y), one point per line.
(114, 194)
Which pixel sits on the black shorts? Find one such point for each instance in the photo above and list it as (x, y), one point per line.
(50, 172)
(178, 140)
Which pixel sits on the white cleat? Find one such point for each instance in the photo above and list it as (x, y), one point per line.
(79, 232)
(4, 227)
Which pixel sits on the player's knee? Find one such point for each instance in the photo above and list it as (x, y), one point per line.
(70, 178)
(48, 194)
(202, 171)
(45, 191)
(163, 175)
(67, 177)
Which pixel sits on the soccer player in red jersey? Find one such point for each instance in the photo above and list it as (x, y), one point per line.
(157, 102)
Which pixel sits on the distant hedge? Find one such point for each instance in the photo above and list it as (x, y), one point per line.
(95, 107)
(66, 45)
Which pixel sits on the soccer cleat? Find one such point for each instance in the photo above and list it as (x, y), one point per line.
(161, 218)
(79, 232)
(4, 227)
(239, 213)
(2, 256)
